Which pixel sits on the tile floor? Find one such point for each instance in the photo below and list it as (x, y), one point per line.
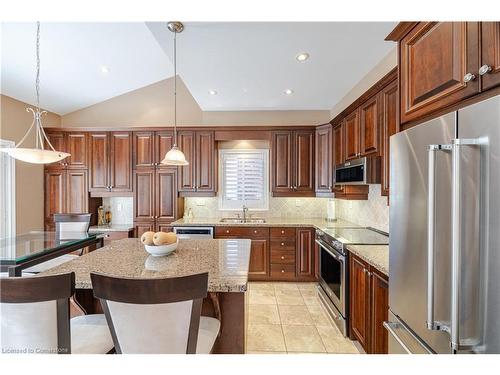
(288, 318)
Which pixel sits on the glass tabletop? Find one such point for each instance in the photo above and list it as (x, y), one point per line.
(30, 245)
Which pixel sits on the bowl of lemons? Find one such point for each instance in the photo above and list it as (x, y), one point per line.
(160, 243)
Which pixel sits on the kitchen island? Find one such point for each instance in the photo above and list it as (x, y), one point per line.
(226, 262)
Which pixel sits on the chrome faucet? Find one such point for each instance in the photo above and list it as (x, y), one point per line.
(245, 210)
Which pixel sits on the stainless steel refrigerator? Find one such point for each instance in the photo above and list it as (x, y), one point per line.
(444, 262)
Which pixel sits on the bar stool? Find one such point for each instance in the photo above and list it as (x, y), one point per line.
(34, 316)
(160, 316)
(67, 225)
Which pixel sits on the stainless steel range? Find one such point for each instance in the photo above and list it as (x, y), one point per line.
(334, 267)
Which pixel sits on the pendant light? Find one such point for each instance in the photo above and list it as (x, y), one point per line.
(175, 156)
(37, 155)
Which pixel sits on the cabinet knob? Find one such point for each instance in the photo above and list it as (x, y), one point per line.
(282, 244)
(227, 230)
(255, 231)
(282, 271)
(469, 77)
(484, 69)
(282, 257)
(282, 232)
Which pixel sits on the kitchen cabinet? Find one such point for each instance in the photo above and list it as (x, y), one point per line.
(292, 163)
(110, 163)
(305, 254)
(149, 148)
(369, 132)
(156, 202)
(369, 306)
(351, 134)
(74, 143)
(490, 55)
(324, 160)
(338, 145)
(66, 191)
(390, 126)
(199, 178)
(438, 66)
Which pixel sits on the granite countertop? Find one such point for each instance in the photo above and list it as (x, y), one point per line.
(376, 255)
(319, 223)
(226, 262)
(111, 228)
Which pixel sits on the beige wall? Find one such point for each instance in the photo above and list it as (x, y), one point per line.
(381, 69)
(14, 122)
(153, 106)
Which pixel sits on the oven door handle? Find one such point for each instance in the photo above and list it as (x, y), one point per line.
(335, 256)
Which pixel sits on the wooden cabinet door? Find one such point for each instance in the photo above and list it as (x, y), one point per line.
(160, 227)
(77, 146)
(435, 57)
(77, 193)
(351, 134)
(58, 141)
(324, 159)
(389, 105)
(99, 161)
(144, 150)
(144, 204)
(121, 161)
(303, 158)
(166, 194)
(360, 302)
(380, 313)
(187, 174)
(338, 146)
(259, 260)
(282, 164)
(142, 227)
(305, 254)
(55, 197)
(490, 53)
(205, 162)
(164, 141)
(369, 127)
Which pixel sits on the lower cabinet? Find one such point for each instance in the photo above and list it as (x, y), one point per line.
(277, 253)
(368, 306)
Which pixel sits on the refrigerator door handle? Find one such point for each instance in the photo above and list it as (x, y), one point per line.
(405, 339)
(456, 243)
(432, 325)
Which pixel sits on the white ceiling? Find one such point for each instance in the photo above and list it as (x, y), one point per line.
(248, 64)
(71, 58)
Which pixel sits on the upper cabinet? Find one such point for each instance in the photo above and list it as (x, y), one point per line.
(443, 63)
(338, 144)
(110, 162)
(389, 118)
(199, 178)
(150, 148)
(324, 159)
(292, 163)
(351, 132)
(74, 143)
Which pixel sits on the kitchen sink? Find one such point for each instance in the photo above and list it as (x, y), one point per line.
(235, 220)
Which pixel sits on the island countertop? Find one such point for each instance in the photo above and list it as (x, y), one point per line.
(226, 262)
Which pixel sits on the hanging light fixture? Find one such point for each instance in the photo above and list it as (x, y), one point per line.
(175, 156)
(37, 155)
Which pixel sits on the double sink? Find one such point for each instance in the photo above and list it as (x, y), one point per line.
(237, 220)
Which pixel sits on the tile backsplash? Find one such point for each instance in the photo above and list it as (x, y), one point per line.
(122, 209)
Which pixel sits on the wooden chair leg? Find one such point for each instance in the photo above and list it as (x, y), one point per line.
(214, 296)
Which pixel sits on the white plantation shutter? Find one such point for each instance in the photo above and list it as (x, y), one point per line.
(245, 179)
(7, 192)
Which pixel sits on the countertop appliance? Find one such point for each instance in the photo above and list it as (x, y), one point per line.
(194, 232)
(333, 288)
(359, 171)
(445, 239)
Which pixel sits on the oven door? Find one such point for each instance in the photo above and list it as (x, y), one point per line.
(333, 275)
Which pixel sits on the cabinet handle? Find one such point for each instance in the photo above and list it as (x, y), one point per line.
(282, 244)
(282, 271)
(484, 69)
(227, 230)
(469, 77)
(282, 232)
(255, 231)
(282, 257)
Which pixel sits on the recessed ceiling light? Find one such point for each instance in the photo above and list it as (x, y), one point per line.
(302, 56)
(212, 92)
(104, 69)
(288, 92)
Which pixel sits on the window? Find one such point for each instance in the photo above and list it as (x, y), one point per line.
(7, 193)
(244, 179)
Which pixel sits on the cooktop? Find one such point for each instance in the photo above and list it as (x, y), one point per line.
(340, 237)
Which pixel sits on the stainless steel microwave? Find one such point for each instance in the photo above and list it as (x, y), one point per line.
(359, 171)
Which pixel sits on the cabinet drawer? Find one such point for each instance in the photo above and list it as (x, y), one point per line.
(112, 236)
(283, 245)
(242, 232)
(283, 271)
(283, 233)
(282, 256)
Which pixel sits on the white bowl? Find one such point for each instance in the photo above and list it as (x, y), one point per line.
(161, 250)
